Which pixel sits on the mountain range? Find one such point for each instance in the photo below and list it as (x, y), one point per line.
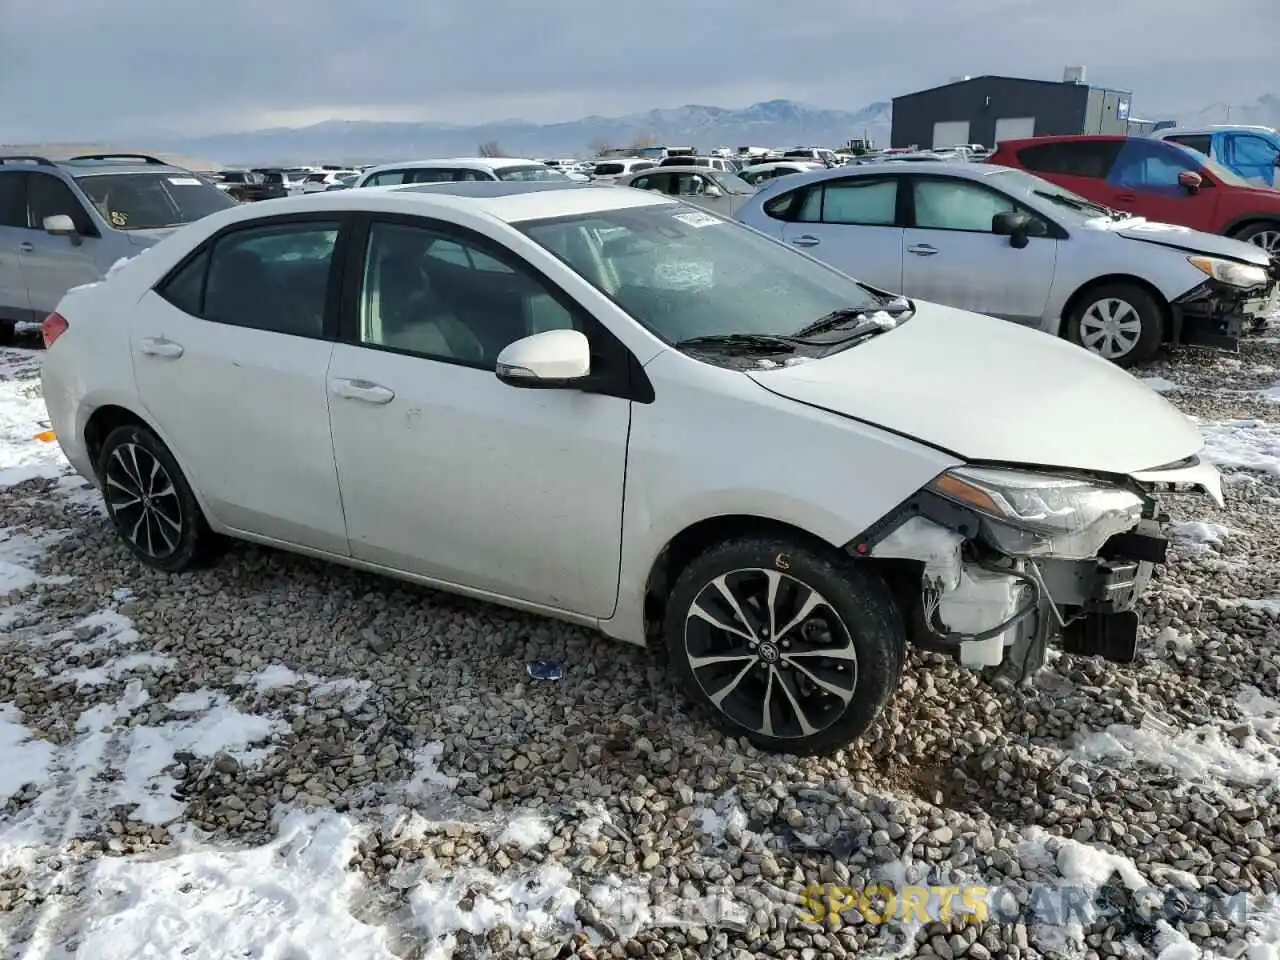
(774, 123)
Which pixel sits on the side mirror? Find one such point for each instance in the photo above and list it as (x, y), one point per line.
(60, 225)
(553, 358)
(712, 192)
(1191, 180)
(1014, 225)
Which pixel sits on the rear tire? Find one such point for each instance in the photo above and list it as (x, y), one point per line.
(1119, 322)
(748, 623)
(150, 501)
(1265, 234)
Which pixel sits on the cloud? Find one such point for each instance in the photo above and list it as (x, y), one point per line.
(91, 68)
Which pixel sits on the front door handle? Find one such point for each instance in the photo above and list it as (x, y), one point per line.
(923, 250)
(808, 240)
(160, 347)
(362, 390)
(26, 246)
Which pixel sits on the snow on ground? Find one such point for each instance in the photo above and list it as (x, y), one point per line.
(284, 760)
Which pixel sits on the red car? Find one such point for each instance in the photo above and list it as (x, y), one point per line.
(1155, 179)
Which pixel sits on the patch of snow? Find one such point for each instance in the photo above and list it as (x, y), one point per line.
(222, 729)
(18, 553)
(114, 669)
(105, 630)
(279, 677)
(525, 830)
(290, 898)
(1160, 384)
(523, 902)
(273, 677)
(1203, 754)
(1243, 444)
(23, 758)
(111, 763)
(426, 771)
(1197, 536)
(22, 417)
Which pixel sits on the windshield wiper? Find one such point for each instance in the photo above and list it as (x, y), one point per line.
(750, 341)
(895, 308)
(1083, 207)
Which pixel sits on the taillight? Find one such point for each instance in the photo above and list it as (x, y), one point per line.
(54, 326)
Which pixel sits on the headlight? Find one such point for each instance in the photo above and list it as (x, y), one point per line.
(1040, 514)
(1230, 272)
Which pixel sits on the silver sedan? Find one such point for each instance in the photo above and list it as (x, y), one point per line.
(714, 190)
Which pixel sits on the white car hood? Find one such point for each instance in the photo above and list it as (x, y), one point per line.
(988, 390)
(1183, 238)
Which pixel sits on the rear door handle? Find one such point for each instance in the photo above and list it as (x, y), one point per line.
(923, 250)
(362, 390)
(26, 246)
(808, 240)
(160, 347)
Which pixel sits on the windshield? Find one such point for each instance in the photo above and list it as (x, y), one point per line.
(608, 169)
(732, 183)
(150, 201)
(1033, 191)
(683, 273)
(532, 172)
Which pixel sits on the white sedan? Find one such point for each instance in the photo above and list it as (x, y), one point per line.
(608, 407)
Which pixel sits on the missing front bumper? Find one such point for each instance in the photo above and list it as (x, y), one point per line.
(1216, 315)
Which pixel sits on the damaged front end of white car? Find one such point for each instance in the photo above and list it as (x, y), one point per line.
(1001, 561)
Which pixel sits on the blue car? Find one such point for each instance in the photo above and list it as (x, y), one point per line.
(1252, 152)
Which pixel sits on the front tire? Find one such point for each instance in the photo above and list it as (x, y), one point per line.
(1265, 235)
(794, 647)
(1119, 322)
(150, 501)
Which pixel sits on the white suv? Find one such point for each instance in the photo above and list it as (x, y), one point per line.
(612, 408)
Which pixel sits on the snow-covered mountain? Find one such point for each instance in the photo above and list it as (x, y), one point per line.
(1265, 111)
(775, 123)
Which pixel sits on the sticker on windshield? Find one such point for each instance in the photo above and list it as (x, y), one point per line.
(697, 219)
(184, 181)
(119, 219)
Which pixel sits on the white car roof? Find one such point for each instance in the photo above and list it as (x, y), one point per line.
(785, 164)
(1211, 128)
(506, 203)
(475, 163)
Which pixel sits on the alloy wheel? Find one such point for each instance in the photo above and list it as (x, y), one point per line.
(1268, 240)
(771, 653)
(143, 500)
(1110, 328)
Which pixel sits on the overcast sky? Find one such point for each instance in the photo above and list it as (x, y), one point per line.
(87, 69)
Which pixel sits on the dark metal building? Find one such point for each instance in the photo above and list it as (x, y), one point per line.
(989, 109)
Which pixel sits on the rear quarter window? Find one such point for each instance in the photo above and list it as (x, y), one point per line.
(1088, 158)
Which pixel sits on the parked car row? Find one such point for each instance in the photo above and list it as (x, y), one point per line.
(553, 396)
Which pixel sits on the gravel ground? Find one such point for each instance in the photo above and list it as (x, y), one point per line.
(477, 812)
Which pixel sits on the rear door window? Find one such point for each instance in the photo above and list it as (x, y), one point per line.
(1072, 158)
(13, 200)
(272, 278)
(1202, 143)
(861, 201)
